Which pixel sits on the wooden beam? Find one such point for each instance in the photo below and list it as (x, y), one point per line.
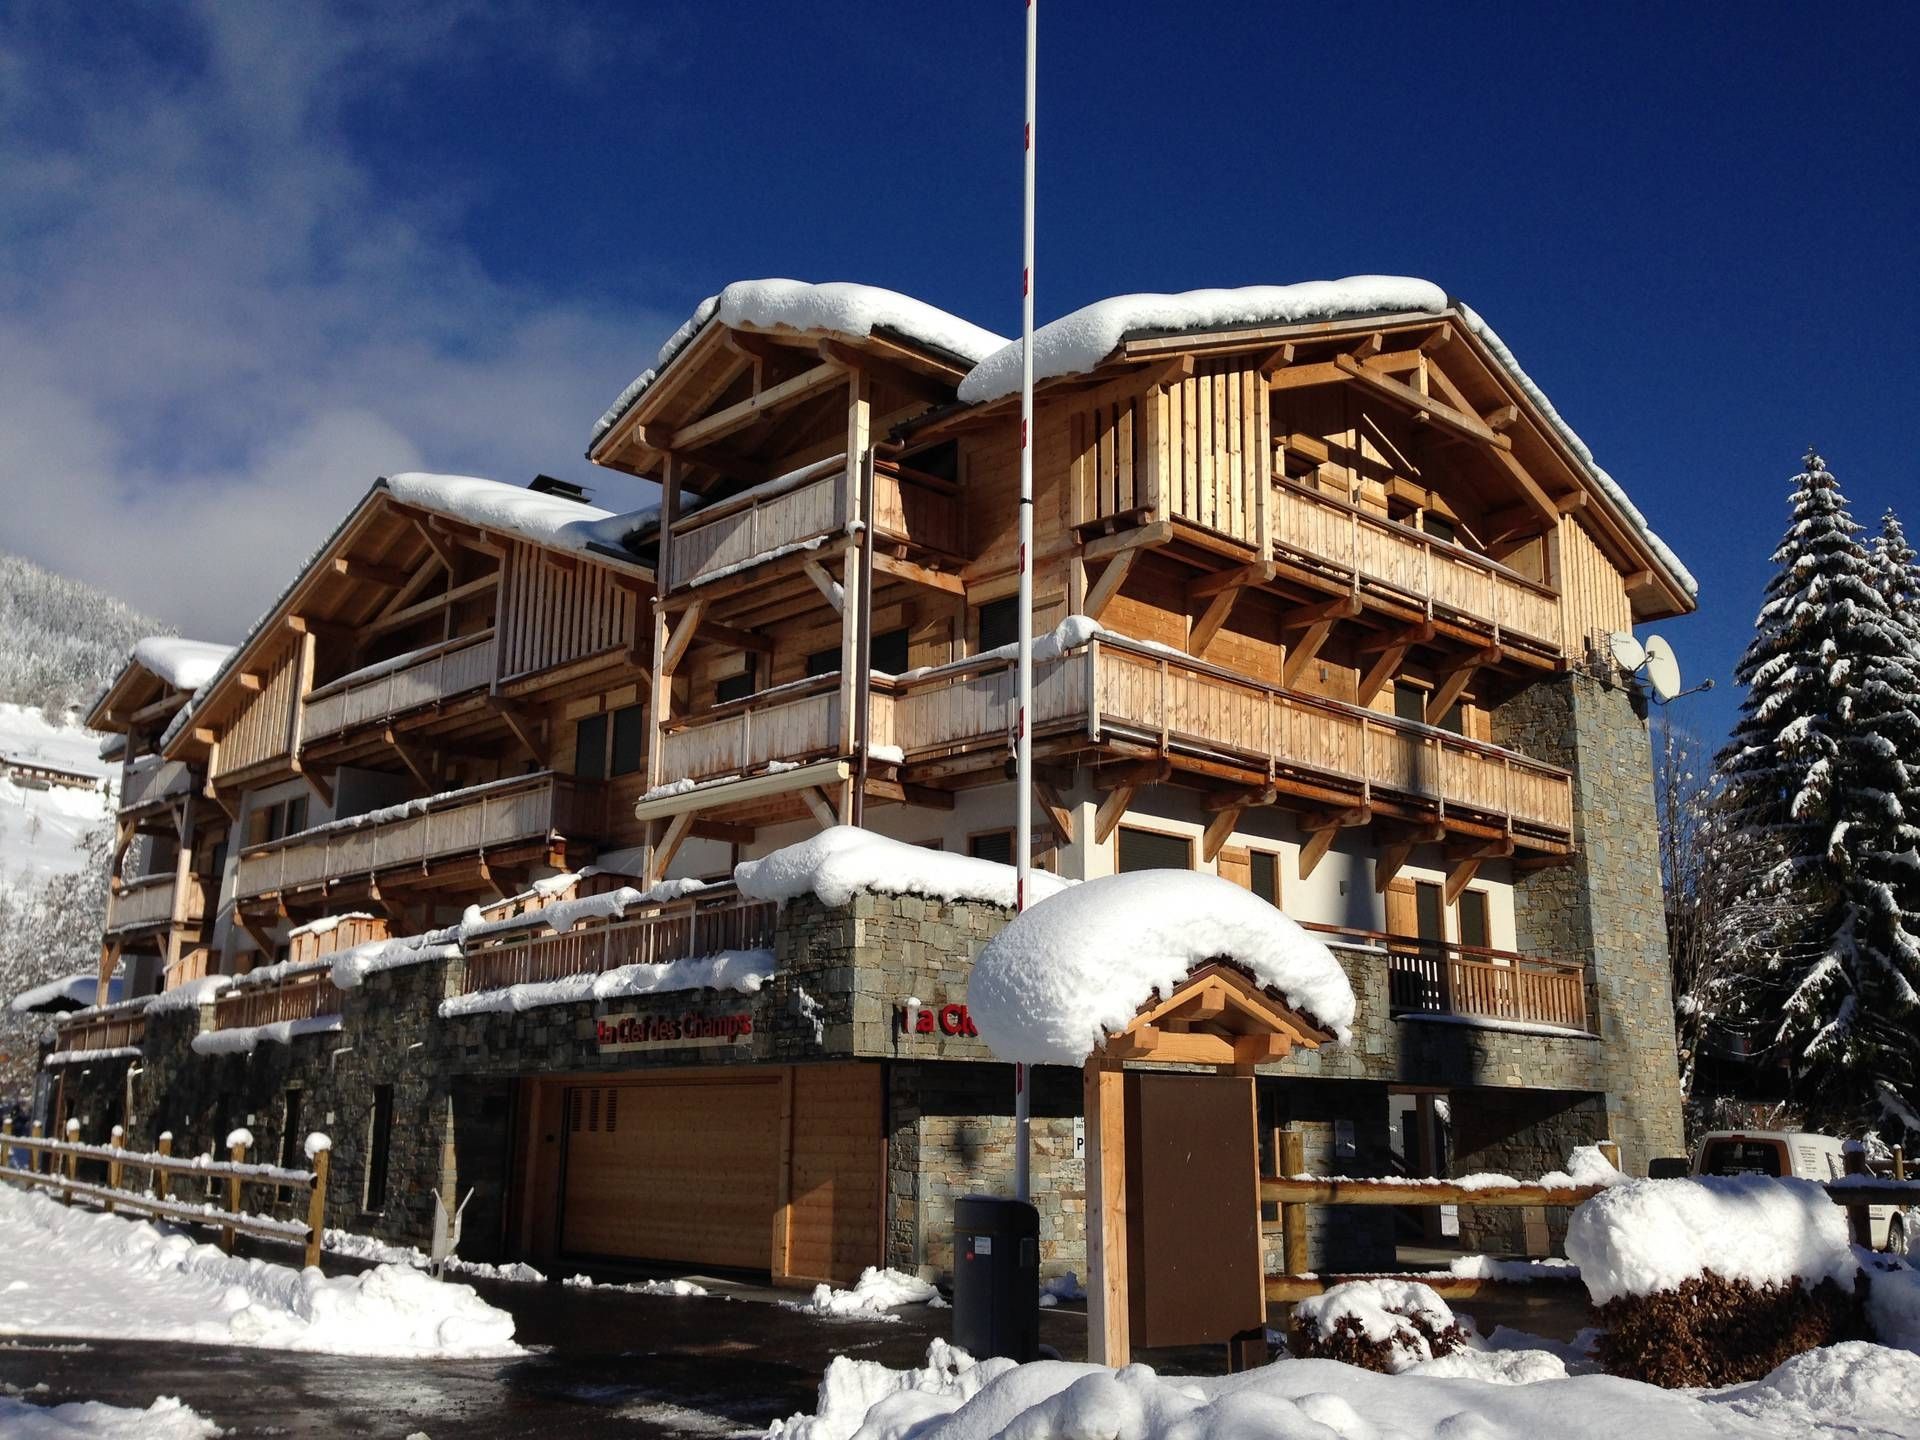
(1460, 422)
(1140, 537)
(1389, 862)
(1300, 377)
(386, 577)
(1460, 876)
(418, 765)
(516, 721)
(1275, 359)
(1503, 419)
(1102, 591)
(894, 377)
(1221, 581)
(1530, 491)
(250, 680)
(745, 412)
(1322, 827)
(1107, 818)
(822, 808)
(1134, 774)
(1456, 681)
(826, 585)
(320, 787)
(1384, 667)
(1372, 345)
(320, 629)
(916, 575)
(735, 638)
(682, 637)
(678, 828)
(1218, 829)
(1059, 814)
(1212, 620)
(1247, 799)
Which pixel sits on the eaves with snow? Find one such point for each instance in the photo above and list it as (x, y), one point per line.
(1080, 965)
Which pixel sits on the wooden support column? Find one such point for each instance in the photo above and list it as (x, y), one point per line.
(1217, 831)
(856, 620)
(1107, 818)
(660, 682)
(1101, 592)
(1456, 681)
(1393, 652)
(1059, 814)
(1104, 1105)
(1318, 620)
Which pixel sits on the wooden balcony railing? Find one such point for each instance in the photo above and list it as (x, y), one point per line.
(380, 692)
(114, 1028)
(809, 505)
(297, 997)
(153, 781)
(681, 930)
(462, 822)
(791, 724)
(1330, 533)
(1432, 978)
(150, 900)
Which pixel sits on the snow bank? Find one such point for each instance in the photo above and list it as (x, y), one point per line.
(1646, 1236)
(165, 1419)
(365, 1247)
(1893, 1299)
(677, 1289)
(876, 1293)
(244, 1040)
(183, 664)
(189, 996)
(744, 971)
(1849, 1391)
(1080, 964)
(837, 308)
(1077, 342)
(81, 1273)
(544, 519)
(1587, 1165)
(840, 861)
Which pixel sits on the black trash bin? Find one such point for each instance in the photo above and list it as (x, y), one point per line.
(996, 1277)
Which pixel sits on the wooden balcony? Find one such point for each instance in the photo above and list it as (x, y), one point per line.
(1401, 563)
(791, 724)
(1115, 689)
(1431, 978)
(703, 924)
(524, 811)
(149, 902)
(151, 781)
(920, 512)
(117, 1027)
(380, 692)
(297, 997)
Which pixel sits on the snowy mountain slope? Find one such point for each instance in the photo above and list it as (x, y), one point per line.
(61, 640)
(43, 832)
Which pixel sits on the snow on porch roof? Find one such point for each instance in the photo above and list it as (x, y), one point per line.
(835, 308)
(68, 992)
(1078, 966)
(183, 664)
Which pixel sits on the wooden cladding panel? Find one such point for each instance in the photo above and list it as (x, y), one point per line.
(1593, 592)
(683, 1170)
(835, 1189)
(789, 518)
(262, 730)
(550, 615)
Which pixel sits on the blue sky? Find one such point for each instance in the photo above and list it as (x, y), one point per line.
(252, 257)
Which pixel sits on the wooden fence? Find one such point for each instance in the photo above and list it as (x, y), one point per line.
(302, 996)
(54, 1165)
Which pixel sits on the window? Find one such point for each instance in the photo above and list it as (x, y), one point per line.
(629, 739)
(995, 845)
(1474, 929)
(290, 1149)
(1410, 703)
(590, 747)
(735, 687)
(295, 818)
(1439, 527)
(1429, 911)
(1150, 850)
(999, 622)
(1741, 1157)
(272, 822)
(379, 1137)
(890, 652)
(1264, 869)
(823, 662)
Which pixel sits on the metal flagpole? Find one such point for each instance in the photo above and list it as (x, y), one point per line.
(1023, 734)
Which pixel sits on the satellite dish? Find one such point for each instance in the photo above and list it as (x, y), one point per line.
(1663, 671)
(1628, 653)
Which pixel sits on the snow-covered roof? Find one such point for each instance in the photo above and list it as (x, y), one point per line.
(530, 514)
(837, 308)
(1078, 342)
(67, 992)
(1646, 1236)
(183, 664)
(113, 747)
(841, 861)
(1079, 965)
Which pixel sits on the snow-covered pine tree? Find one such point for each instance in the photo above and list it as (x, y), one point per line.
(1896, 569)
(1814, 779)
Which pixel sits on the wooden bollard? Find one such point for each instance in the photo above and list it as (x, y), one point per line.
(163, 1179)
(1610, 1152)
(1290, 1159)
(1859, 1214)
(237, 1153)
(114, 1142)
(317, 1202)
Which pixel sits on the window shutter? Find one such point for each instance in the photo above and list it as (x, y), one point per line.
(1236, 864)
(1403, 916)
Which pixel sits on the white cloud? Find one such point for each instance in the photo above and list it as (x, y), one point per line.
(215, 331)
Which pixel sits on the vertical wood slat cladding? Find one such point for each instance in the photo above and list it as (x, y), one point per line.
(838, 1159)
(683, 1170)
(705, 544)
(1593, 595)
(262, 728)
(550, 616)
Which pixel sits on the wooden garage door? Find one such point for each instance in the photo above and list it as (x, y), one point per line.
(839, 1163)
(681, 1170)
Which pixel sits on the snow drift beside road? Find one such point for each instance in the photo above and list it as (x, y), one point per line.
(75, 1272)
(165, 1419)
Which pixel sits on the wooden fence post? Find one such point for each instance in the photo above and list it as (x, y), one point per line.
(1610, 1152)
(35, 1157)
(237, 1154)
(1290, 1159)
(162, 1180)
(1899, 1162)
(114, 1141)
(73, 1163)
(317, 1206)
(1859, 1214)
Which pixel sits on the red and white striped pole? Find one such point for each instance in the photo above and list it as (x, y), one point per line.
(1023, 703)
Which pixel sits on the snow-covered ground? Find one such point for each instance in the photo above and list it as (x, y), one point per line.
(41, 831)
(73, 1272)
(165, 1419)
(1857, 1391)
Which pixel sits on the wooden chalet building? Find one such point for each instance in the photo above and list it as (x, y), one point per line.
(1325, 585)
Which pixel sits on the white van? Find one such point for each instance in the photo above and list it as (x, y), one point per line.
(1803, 1156)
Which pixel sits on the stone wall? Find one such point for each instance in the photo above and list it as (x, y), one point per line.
(1605, 908)
(1525, 1134)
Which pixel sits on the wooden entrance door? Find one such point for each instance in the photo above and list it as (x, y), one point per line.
(684, 1170)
